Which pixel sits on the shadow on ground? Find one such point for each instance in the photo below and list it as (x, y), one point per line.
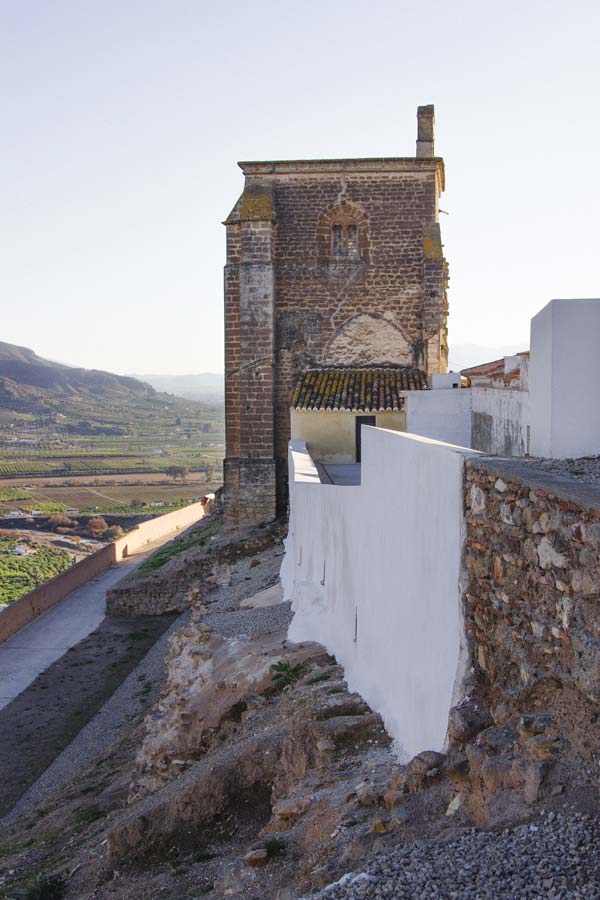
(45, 718)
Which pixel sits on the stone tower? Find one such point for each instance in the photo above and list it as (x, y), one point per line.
(329, 262)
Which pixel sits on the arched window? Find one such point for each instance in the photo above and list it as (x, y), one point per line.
(342, 234)
(344, 241)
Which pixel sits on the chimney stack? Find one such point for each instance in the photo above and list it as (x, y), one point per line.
(425, 136)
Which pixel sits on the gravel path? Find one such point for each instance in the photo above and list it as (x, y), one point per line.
(249, 576)
(133, 697)
(586, 469)
(557, 858)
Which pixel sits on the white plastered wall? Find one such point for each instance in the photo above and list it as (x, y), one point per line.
(564, 378)
(505, 433)
(374, 572)
(444, 415)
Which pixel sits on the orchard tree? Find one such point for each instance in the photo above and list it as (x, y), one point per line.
(176, 472)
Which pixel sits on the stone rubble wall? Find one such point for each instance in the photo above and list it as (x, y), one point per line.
(187, 577)
(532, 605)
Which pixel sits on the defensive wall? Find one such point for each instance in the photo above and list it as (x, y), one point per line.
(446, 572)
(375, 573)
(27, 608)
(532, 604)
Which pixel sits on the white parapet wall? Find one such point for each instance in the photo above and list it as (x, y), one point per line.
(444, 415)
(564, 379)
(374, 572)
(500, 420)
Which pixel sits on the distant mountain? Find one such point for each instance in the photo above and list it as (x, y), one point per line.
(205, 386)
(29, 383)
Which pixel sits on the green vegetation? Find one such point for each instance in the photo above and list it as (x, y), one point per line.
(46, 509)
(176, 472)
(138, 508)
(46, 887)
(20, 574)
(285, 674)
(97, 498)
(9, 495)
(198, 537)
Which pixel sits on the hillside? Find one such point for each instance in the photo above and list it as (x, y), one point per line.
(64, 421)
(29, 383)
(204, 386)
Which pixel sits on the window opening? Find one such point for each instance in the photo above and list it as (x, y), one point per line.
(352, 241)
(344, 241)
(338, 240)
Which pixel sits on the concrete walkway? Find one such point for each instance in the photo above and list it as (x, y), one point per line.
(32, 650)
(340, 473)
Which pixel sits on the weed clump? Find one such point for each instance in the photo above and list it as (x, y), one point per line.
(285, 674)
(46, 887)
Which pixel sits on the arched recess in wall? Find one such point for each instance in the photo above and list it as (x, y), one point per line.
(343, 234)
(367, 339)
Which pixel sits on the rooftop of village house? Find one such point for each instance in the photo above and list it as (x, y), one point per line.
(357, 388)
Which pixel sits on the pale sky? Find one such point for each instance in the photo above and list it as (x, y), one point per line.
(122, 122)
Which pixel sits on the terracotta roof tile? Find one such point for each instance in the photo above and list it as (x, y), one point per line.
(357, 389)
(490, 369)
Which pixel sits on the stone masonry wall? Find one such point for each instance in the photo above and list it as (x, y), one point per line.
(394, 284)
(290, 305)
(533, 560)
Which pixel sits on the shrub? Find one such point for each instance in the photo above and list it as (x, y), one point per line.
(46, 887)
(97, 526)
(59, 521)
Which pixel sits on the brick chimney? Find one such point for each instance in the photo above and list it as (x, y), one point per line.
(425, 131)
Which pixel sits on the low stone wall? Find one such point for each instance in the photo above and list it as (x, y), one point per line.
(27, 608)
(184, 579)
(154, 529)
(532, 604)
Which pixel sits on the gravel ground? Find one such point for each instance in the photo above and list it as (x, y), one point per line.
(585, 469)
(250, 576)
(557, 858)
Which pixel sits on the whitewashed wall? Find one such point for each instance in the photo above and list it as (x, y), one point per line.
(444, 415)
(564, 379)
(500, 420)
(374, 573)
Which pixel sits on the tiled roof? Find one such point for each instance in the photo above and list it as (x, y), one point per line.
(357, 389)
(490, 369)
(494, 369)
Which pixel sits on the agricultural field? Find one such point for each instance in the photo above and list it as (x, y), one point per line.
(102, 438)
(26, 562)
(50, 464)
(96, 443)
(29, 463)
(108, 498)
